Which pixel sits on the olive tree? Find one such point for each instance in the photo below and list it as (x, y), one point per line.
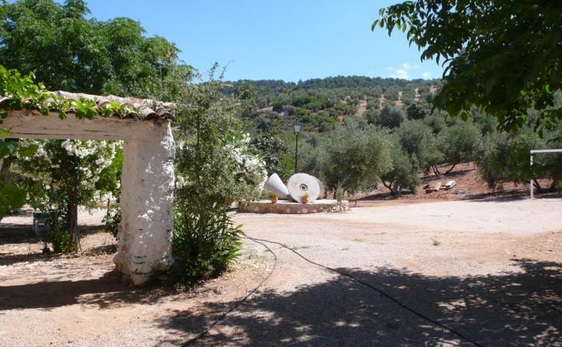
(420, 143)
(390, 117)
(458, 143)
(404, 173)
(354, 158)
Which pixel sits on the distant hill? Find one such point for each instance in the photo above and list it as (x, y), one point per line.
(320, 103)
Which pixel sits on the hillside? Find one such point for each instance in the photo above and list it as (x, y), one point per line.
(320, 103)
(418, 137)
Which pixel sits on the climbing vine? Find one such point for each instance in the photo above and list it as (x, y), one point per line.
(19, 92)
(42, 168)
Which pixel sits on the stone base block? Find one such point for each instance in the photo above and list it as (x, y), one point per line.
(291, 207)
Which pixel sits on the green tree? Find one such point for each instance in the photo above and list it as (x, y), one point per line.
(504, 157)
(502, 56)
(419, 142)
(416, 112)
(458, 143)
(389, 117)
(69, 52)
(404, 173)
(273, 149)
(355, 157)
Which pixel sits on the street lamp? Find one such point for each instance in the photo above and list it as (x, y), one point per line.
(297, 128)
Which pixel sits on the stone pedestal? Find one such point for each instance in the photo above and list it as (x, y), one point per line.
(291, 207)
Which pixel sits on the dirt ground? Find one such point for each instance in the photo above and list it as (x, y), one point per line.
(484, 271)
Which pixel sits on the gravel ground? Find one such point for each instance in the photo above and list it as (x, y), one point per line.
(421, 274)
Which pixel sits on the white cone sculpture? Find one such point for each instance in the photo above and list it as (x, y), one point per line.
(302, 183)
(275, 185)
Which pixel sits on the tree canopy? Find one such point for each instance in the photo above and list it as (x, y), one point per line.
(502, 56)
(67, 51)
(64, 50)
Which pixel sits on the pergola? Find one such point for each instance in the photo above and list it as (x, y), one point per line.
(147, 183)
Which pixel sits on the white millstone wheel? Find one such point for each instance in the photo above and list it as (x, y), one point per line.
(302, 183)
(321, 186)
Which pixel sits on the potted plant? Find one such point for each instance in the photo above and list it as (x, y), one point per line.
(273, 197)
(304, 198)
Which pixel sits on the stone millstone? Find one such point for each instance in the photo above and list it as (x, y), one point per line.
(321, 186)
(302, 183)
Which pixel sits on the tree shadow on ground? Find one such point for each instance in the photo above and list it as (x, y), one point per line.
(497, 197)
(15, 234)
(514, 195)
(11, 233)
(517, 309)
(104, 292)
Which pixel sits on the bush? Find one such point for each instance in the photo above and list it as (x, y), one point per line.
(204, 243)
(215, 165)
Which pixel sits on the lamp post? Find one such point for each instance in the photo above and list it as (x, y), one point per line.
(297, 128)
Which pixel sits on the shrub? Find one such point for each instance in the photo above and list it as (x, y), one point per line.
(204, 243)
(214, 166)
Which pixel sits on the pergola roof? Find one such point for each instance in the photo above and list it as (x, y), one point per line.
(130, 107)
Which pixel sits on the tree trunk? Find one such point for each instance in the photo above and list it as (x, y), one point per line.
(73, 201)
(450, 169)
(389, 187)
(537, 185)
(435, 169)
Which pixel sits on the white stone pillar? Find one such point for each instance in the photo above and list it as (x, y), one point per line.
(147, 193)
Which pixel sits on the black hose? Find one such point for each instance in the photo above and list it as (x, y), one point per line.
(376, 289)
(242, 300)
(354, 278)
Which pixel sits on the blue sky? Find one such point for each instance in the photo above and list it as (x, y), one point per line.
(288, 40)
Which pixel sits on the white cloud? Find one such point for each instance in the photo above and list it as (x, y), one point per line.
(409, 71)
(400, 74)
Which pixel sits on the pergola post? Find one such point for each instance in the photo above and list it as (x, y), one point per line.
(147, 193)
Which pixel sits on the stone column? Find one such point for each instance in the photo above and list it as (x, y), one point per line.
(147, 192)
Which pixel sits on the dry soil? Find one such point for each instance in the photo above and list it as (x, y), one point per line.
(469, 272)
